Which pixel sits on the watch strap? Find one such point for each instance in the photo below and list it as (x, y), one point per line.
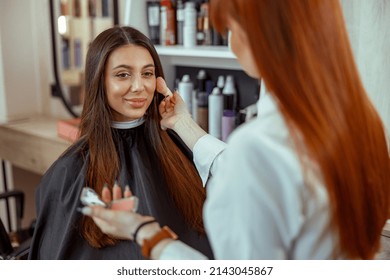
(149, 244)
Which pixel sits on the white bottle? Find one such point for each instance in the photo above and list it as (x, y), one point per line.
(180, 21)
(186, 88)
(229, 93)
(189, 29)
(215, 113)
(221, 82)
(229, 107)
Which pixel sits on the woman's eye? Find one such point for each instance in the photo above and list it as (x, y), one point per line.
(122, 75)
(148, 74)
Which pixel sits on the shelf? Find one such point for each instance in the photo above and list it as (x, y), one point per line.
(199, 56)
(198, 51)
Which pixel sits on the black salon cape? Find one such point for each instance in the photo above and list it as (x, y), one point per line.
(57, 232)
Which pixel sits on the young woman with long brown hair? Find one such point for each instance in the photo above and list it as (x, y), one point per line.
(120, 140)
(309, 178)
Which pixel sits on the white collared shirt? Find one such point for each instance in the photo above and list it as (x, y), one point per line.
(258, 205)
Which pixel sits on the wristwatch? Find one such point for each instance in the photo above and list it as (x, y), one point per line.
(149, 244)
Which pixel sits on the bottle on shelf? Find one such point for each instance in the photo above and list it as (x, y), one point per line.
(199, 28)
(215, 113)
(200, 87)
(229, 113)
(167, 24)
(189, 29)
(207, 32)
(179, 21)
(221, 82)
(186, 89)
(203, 100)
(153, 15)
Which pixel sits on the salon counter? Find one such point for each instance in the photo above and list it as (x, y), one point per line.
(31, 144)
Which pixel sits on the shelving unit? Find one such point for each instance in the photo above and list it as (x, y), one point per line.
(220, 57)
(218, 52)
(199, 56)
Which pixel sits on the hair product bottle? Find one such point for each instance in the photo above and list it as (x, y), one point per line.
(153, 9)
(229, 114)
(186, 89)
(189, 29)
(215, 113)
(208, 40)
(167, 27)
(179, 21)
(200, 104)
(221, 82)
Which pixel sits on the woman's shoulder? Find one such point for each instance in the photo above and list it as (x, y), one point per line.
(260, 133)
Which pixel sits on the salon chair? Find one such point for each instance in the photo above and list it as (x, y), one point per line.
(15, 243)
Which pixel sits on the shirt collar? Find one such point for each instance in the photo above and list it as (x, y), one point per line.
(266, 103)
(127, 125)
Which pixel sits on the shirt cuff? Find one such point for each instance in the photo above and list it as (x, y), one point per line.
(206, 150)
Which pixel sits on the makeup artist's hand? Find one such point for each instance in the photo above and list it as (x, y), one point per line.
(117, 220)
(172, 109)
(120, 224)
(127, 203)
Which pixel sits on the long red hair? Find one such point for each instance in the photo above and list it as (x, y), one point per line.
(302, 52)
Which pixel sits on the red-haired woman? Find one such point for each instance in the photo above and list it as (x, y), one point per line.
(309, 178)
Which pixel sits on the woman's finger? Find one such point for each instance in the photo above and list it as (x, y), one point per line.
(127, 192)
(162, 88)
(116, 192)
(106, 194)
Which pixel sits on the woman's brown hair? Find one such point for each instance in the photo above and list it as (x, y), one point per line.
(181, 177)
(302, 52)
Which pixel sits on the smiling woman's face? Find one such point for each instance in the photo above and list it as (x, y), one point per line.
(130, 82)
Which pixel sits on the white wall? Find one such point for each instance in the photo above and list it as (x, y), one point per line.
(368, 24)
(3, 112)
(26, 61)
(20, 83)
(133, 13)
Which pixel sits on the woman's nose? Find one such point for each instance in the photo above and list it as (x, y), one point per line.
(137, 84)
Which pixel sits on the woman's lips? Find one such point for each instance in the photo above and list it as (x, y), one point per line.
(136, 102)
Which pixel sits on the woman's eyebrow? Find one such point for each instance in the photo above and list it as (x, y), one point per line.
(130, 67)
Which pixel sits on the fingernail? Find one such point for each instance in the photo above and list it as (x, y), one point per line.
(105, 185)
(116, 183)
(127, 188)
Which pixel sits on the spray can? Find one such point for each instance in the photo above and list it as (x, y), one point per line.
(189, 29)
(221, 82)
(229, 113)
(201, 104)
(186, 88)
(180, 21)
(215, 113)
